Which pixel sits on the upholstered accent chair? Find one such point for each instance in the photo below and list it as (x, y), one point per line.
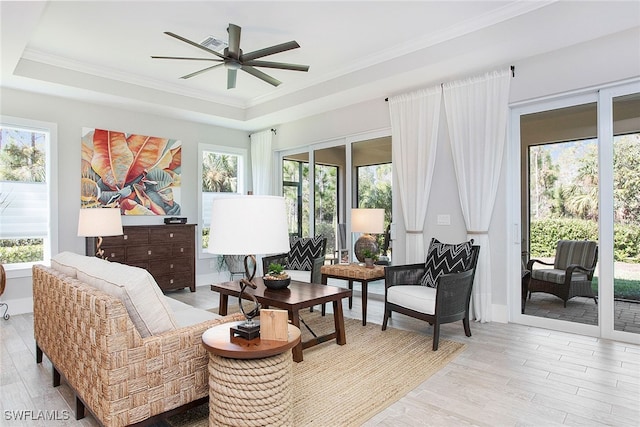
(437, 291)
(572, 272)
(303, 261)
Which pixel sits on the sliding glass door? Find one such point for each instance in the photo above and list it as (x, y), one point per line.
(579, 179)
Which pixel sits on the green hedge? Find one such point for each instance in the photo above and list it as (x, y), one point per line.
(546, 233)
(17, 254)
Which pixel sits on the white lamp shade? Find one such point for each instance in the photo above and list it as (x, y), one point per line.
(367, 220)
(99, 222)
(248, 225)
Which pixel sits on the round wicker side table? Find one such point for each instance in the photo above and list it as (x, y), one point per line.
(250, 381)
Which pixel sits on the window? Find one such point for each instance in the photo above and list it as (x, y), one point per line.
(222, 170)
(27, 192)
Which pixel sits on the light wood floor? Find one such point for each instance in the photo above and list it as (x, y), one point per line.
(508, 375)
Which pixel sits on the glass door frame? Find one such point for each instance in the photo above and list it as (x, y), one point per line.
(603, 96)
(346, 141)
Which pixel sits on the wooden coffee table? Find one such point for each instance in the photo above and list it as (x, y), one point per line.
(354, 273)
(297, 296)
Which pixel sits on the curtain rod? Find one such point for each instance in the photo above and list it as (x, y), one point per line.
(275, 132)
(513, 74)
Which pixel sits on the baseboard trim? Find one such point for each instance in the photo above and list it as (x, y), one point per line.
(19, 305)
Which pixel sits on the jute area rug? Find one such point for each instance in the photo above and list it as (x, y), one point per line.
(346, 385)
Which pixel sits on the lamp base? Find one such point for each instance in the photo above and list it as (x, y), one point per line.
(247, 332)
(366, 241)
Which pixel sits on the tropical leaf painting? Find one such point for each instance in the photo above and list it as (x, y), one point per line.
(138, 174)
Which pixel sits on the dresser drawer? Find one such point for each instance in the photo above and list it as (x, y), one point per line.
(182, 251)
(115, 253)
(170, 233)
(160, 268)
(131, 236)
(143, 253)
(174, 281)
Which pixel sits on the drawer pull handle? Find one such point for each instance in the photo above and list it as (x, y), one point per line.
(171, 281)
(171, 235)
(113, 254)
(149, 252)
(181, 249)
(171, 266)
(126, 237)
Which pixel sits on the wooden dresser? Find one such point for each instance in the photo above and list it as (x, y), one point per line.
(166, 251)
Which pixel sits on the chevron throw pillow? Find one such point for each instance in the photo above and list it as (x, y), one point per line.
(303, 251)
(445, 258)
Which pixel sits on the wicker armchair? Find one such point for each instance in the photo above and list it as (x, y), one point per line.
(572, 272)
(445, 304)
(316, 259)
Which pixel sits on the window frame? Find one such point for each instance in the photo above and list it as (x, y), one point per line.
(50, 243)
(243, 166)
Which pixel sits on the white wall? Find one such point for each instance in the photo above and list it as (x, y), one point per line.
(598, 62)
(71, 116)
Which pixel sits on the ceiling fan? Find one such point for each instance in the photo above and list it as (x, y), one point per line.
(234, 59)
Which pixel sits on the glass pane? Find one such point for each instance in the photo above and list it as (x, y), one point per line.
(626, 176)
(295, 172)
(330, 165)
(220, 174)
(562, 200)
(24, 193)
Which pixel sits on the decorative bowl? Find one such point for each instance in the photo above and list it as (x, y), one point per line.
(276, 283)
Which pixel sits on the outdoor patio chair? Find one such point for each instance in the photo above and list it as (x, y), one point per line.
(411, 290)
(572, 272)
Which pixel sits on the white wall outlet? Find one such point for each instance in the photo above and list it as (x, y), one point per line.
(444, 219)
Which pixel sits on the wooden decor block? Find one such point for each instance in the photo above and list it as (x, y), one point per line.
(274, 325)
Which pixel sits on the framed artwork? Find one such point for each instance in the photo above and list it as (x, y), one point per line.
(137, 173)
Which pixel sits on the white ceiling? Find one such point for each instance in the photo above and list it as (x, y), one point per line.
(357, 51)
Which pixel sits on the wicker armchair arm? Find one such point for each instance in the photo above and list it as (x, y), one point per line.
(533, 261)
(316, 275)
(576, 267)
(409, 274)
(453, 294)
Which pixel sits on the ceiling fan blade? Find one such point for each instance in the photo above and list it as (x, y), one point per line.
(192, 43)
(234, 41)
(269, 51)
(187, 58)
(279, 65)
(231, 78)
(204, 70)
(259, 74)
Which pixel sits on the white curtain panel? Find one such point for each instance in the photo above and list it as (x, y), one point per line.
(261, 162)
(414, 129)
(477, 113)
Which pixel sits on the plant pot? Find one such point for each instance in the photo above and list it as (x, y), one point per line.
(277, 283)
(368, 262)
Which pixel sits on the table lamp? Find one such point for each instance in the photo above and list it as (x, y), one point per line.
(367, 221)
(242, 225)
(99, 222)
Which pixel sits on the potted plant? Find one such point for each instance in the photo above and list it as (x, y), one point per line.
(369, 258)
(276, 278)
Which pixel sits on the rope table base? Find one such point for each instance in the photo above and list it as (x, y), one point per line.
(251, 392)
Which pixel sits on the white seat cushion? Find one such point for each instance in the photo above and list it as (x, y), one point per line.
(137, 289)
(187, 315)
(299, 275)
(414, 297)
